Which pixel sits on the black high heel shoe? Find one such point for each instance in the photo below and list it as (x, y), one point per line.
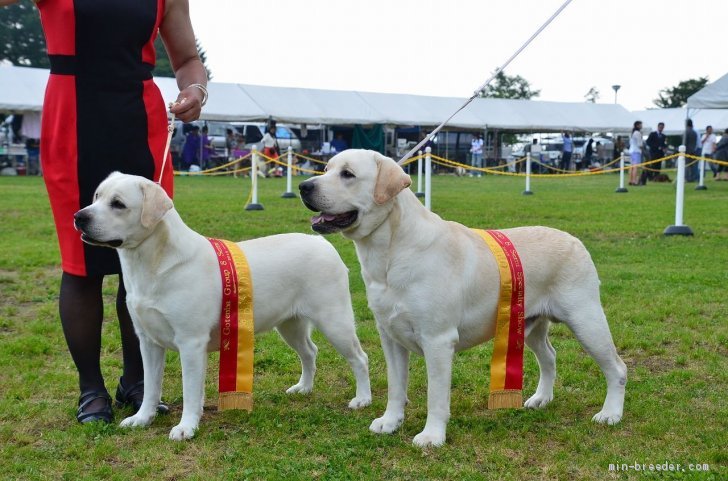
(105, 414)
(131, 397)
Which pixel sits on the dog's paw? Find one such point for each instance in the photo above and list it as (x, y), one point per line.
(538, 401)
(181, 432)
(386, 424)
(605, 417)
(360, 402)
(429, 439)
(300, 389)
(136, 421)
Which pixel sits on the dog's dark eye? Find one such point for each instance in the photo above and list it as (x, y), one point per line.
(117, 204)
(347, 174)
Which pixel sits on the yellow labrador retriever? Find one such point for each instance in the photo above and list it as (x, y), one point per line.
(174, 293)
(433, 286)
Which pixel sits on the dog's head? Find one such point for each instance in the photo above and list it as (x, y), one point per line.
(125, 210)
(355, 194)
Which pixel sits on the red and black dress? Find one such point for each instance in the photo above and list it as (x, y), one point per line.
(102, 111)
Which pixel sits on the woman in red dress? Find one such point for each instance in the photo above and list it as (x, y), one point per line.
(103, 113)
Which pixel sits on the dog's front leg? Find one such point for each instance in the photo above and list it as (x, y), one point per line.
(193, 355)
(438, 358)
(397, 358)
(153, 362)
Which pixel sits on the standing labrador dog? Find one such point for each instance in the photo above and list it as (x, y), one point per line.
(174, 293)
(433, 286)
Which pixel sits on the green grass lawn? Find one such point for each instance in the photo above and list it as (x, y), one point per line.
(665, 298)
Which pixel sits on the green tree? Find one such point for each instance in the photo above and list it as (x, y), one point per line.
(509, 87)
(21, 36)
(592, 95)
(163, 67)
(678, 96)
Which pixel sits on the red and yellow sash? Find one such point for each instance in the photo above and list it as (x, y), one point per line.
(235, 383)
(506, 367)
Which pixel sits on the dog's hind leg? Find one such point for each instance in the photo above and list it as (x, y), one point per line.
(586, 319)
(297, 334)
(336, 323)
(537, 339)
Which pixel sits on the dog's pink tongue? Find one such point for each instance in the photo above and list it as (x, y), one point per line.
(317, 219)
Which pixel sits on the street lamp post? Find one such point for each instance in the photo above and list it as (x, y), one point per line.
(616, 88)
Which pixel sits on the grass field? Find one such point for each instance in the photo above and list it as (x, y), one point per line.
(665, 298)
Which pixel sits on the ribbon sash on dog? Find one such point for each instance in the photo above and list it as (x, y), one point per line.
(235, 383)
(506, 367)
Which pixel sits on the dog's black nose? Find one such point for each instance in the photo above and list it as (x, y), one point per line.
(80, 219)
(306, 187)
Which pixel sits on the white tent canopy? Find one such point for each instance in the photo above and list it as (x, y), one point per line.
(674, 119)
(22, 90)
(712, 96)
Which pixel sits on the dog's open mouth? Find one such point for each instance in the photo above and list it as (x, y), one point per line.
(94, 242)
(328, 223)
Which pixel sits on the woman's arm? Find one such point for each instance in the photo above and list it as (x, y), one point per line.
(179, 40)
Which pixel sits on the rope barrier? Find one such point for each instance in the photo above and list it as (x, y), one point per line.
(601, 170)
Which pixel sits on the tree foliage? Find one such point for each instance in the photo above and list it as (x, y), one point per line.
(509, 87)
(21, 36)
(163, 66)
(677, 96)
(592, 95)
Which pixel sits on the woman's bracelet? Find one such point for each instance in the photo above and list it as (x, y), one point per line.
(204, 92)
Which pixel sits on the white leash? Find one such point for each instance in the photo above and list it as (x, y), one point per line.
(170, 131)
(475, 94)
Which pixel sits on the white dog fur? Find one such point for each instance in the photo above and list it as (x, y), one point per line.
(174, 293)
(433, 287)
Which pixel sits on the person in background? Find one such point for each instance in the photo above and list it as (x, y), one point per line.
(588, 154)
(566, 152)
(229, 143)
(618, 148)
(601, 154)
(206, 149)
(656, 144)
(691, 148)
(721, 154)
(192, 148)
(708, 142)
(535, 156)
(270, 149)
(100, 84)
(339, 144)
(476, 153)
(635, 152)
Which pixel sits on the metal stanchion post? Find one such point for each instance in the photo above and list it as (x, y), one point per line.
(621, 189)
(428, 178)
(679, 228)
(254, 205)
(419, 192)
(288, 194)
(528, 175)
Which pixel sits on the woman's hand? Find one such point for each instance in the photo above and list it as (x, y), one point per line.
(188, 105)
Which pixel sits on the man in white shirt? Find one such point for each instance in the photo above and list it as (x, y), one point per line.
(709, 140)
(476, 152)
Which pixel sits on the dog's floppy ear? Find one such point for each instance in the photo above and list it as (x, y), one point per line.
(391, 179)
(156, 203)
